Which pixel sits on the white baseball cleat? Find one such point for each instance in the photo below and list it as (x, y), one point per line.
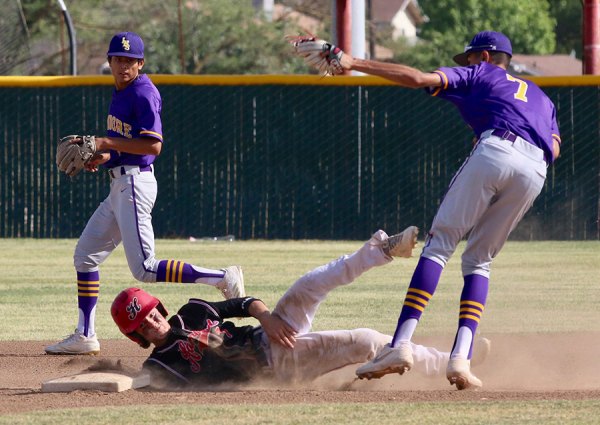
(459, 374)
(401, 244)
(75, 343)
(388, 360)
(232, 284)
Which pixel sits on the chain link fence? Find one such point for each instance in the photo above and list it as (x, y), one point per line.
(282, 157)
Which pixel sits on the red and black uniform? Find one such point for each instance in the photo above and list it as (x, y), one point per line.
(202, 348)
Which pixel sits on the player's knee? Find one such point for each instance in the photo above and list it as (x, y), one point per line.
(438, 253)
(441, 243)
(307, 280)
(482, 271)
(475, 265)
(143, 275)
(84, 263)
(369, 341)
(144, 271)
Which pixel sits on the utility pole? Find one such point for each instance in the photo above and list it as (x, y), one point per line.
(72, 42)
(181, 40)
(342, 19)
(591, 37)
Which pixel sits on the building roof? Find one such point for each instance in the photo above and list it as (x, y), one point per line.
(546, 65)
(385, 10)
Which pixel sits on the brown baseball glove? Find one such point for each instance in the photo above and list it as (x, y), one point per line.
(73, 152)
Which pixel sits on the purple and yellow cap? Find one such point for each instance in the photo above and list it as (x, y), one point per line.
(127, 44)
(485, 40)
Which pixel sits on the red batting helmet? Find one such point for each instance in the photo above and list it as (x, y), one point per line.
(130, 308)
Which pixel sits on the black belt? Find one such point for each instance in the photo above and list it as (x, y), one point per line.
(118, 172)
(505, 134)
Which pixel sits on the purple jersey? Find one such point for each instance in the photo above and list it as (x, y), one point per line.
(490, 98)
(134, 112)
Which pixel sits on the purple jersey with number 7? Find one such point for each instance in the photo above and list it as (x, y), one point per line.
(490, 98)
(134, 112)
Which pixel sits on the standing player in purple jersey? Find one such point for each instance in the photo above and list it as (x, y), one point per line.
(132, 142)
(518, 137)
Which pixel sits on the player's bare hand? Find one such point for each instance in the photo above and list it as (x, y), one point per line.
(278, 331)
(95, 161)
(555, 149)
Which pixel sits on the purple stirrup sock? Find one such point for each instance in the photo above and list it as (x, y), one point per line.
(88, 287)
(422, 286)
(472, 303)
(178, 271)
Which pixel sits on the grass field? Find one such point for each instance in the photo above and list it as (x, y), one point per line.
(536, 287)
(535, 413)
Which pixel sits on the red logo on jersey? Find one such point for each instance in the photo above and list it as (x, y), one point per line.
(193, 348)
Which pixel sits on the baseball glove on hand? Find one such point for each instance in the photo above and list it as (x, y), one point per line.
(73, 152)
(319, 54)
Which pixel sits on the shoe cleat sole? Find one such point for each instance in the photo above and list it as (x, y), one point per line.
(462, 383)
(63, 353)
(380, 373)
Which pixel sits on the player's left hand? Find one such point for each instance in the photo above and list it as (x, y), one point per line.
(73, 152)
(278, 331)
(325, 57)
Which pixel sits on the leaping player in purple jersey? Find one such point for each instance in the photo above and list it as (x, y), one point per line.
(133, 140)
(518, 137)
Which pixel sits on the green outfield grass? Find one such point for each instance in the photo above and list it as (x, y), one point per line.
(534, 413)
(535, 287)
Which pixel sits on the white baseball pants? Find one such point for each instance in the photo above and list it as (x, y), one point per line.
(317, 353)
(488, 196)
(125, 215)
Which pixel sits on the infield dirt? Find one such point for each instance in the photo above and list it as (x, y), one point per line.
(520, 367)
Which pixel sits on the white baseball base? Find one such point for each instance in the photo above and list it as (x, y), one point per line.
(99, 381)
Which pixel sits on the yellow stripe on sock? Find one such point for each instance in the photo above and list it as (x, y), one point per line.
(473, 303)
(469, 316)
(88, 289)
(83, 292)
(174, 271)
(180, 271)
(168, 270)
(413, 305)
(88, 282)
(169, 276)
(420, 292)
(421, 300)
(470, 310)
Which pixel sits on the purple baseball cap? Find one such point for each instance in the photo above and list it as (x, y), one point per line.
(485, 40)
(127, 44)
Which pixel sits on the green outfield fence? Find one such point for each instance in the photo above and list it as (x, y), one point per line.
(283, 157)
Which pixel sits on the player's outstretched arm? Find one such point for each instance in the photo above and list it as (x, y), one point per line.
(403, 75)
(329, 59)
(277, 330)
